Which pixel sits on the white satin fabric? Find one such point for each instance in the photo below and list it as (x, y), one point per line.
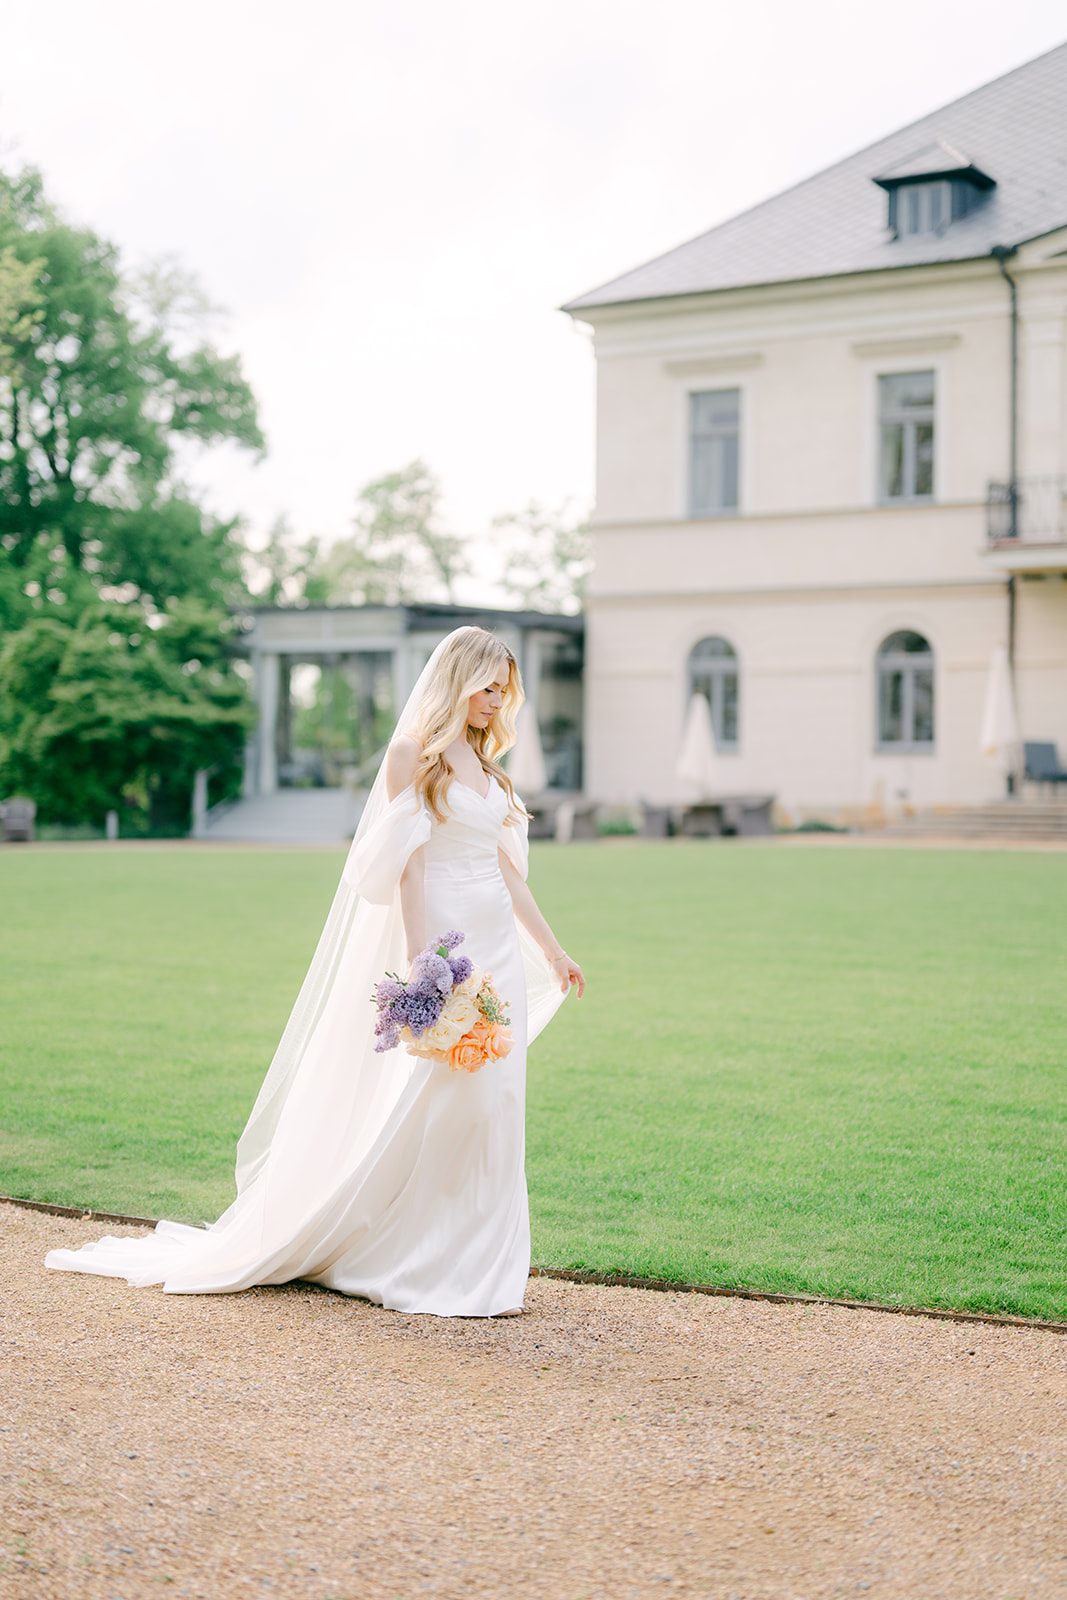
(378, 1174)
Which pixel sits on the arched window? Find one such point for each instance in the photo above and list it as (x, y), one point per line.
(713, 672)
(905, 692)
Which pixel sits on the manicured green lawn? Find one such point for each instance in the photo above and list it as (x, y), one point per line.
(813, 1069)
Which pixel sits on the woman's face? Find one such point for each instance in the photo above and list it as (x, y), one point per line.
(484, 704)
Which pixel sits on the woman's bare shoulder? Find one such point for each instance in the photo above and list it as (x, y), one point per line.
(400, 763)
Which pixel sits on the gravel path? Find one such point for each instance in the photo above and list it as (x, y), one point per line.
(612, 1443)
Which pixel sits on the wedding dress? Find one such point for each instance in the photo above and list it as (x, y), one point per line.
(381, 1175)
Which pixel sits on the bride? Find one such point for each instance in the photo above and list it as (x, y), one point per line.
(381, 1174)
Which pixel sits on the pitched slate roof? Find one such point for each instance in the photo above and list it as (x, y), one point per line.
(937, 160)
(1014, 129)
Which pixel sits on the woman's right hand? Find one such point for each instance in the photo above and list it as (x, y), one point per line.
(568, 972)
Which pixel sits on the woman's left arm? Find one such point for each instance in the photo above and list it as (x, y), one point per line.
(529, 914)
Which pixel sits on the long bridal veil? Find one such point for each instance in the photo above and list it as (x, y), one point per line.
(328, 1095)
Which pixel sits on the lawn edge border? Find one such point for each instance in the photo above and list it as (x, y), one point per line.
(83, 1213)
(616, 1280)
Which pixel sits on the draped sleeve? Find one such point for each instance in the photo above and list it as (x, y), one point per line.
(515, 841)
(376, 863)
(543, 994)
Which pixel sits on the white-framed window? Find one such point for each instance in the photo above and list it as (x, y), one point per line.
(924, 207)
(929, 207)
(713, 673)
(906, 436)
(714, 451)
(905, 689)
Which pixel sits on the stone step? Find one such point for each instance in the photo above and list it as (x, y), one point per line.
(1003, 820)
(290, 816)
(952, 821)
(969, 830)
(1009, 813)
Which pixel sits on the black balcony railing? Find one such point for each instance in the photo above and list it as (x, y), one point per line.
(1029, 511)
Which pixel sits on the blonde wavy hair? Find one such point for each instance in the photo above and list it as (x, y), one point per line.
(471, 660)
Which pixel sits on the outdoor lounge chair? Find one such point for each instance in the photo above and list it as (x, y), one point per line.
(16, 820)
(746, 816)
(542, 821)
(1043, 764)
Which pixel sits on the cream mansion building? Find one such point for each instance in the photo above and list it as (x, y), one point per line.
(832, 438)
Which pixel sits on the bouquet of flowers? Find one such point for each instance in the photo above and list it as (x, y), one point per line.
(447, 1011)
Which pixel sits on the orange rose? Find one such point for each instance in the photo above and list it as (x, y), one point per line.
(467, 1055)
(499, 1041)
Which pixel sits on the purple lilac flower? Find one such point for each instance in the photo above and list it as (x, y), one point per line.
(422, 1014)
(417, 1005)
(461, 969)
(432, 973)
(386, 1032)
(398, 1011)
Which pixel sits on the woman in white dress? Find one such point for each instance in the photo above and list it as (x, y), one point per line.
(380, 1174)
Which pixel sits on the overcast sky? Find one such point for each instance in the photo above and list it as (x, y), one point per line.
(391, 197)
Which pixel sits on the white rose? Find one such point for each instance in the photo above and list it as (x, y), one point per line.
(462, 1009)
(442, 1036)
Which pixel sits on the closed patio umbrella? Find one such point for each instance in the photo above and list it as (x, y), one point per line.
(526, 764)
(697, 765)
(1000, 725)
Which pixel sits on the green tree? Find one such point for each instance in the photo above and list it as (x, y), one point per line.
(105, 382)
(546, 556)
(287, 570)
(117, 674)
(105, 711)
(47, 584)
(397, 552)
(20, 305)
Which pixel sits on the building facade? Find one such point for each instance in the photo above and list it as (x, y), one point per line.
(360, 664)
(832, 438)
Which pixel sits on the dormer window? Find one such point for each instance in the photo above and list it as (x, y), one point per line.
(931, 189)
(921, 208)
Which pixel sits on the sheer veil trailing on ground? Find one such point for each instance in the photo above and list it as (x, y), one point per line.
(328, 1095)
(327, 1050)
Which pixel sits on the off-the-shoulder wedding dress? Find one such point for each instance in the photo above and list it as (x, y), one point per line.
(381, 1175)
